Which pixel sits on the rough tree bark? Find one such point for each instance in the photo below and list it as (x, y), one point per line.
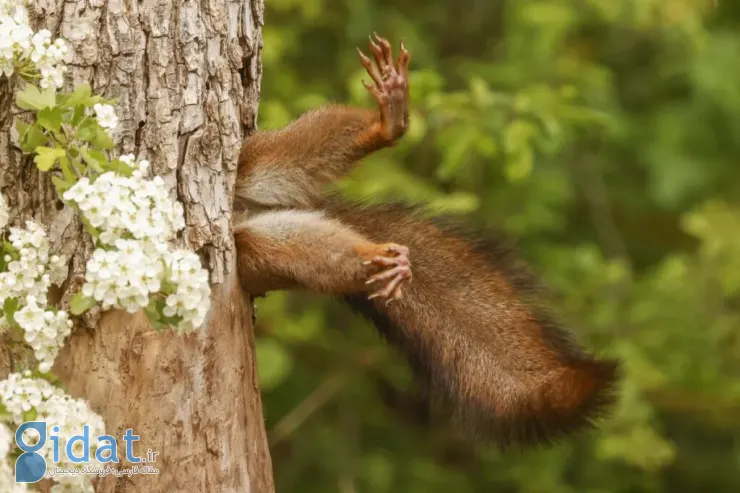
(187, 77)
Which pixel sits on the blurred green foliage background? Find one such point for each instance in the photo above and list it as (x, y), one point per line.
(604, 135)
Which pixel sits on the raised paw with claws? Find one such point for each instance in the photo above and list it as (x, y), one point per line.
(390, 86)
(395, 270)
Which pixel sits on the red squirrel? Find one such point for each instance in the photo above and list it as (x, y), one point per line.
(460, 308)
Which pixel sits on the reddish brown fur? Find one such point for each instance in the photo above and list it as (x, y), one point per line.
(278, 250)
(469, 324)
(324, 143)
(473, 333)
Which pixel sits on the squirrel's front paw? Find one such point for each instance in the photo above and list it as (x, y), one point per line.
(395, 267)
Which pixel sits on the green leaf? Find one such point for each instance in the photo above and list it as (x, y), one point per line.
(46, 157)
(480, 92)
(153, 312)
(92, 230)
(306, 327)
(90, 131)
(518, 134)
(274, 363)
(120, 167)
(486, 146)
(50, 118)
(462, 141)
(102, 140)
(86, 130)
(31, 98)
(7, 248)
(30, 415)
(21, 127)
(519, 166)
(99, 156)
(61, 184)
(10, 307)
(80, 303)
(78, 115)
(49, 377)
(172, 321)
(67, 172)
(31, 138)
(92, 158)
(82, 95)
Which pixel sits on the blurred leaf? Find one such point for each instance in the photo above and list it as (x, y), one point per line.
(274, 363)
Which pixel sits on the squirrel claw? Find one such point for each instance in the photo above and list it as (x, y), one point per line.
(390, 89)
(401, 250)
(388, 274)
(396, 271)
(392, 291)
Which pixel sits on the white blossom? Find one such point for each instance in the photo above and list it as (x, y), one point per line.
(124, 278)
(31, 316)
(10, 7)
(23, 50)
(27, 278)
(26, 275)
(192, 296)
(44, 330)
(20, 394)
(15, 40)
(106, 116)
(48, 57)
(136, 270)
(136, 218)
(120, 206)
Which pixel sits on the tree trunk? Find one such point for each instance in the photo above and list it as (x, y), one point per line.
(187, 77)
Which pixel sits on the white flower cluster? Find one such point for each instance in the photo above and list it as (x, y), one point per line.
(120, 206)
(34, 270)
(124, 278)
(191, 298)
(20, 394)
(30, 270)
(136, 219)
(24, 51)
(48, 57)
(4, 216)
(11, 7)
(45, 331)
(127, 277)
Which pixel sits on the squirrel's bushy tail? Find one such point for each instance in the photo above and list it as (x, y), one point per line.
(472, 331)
